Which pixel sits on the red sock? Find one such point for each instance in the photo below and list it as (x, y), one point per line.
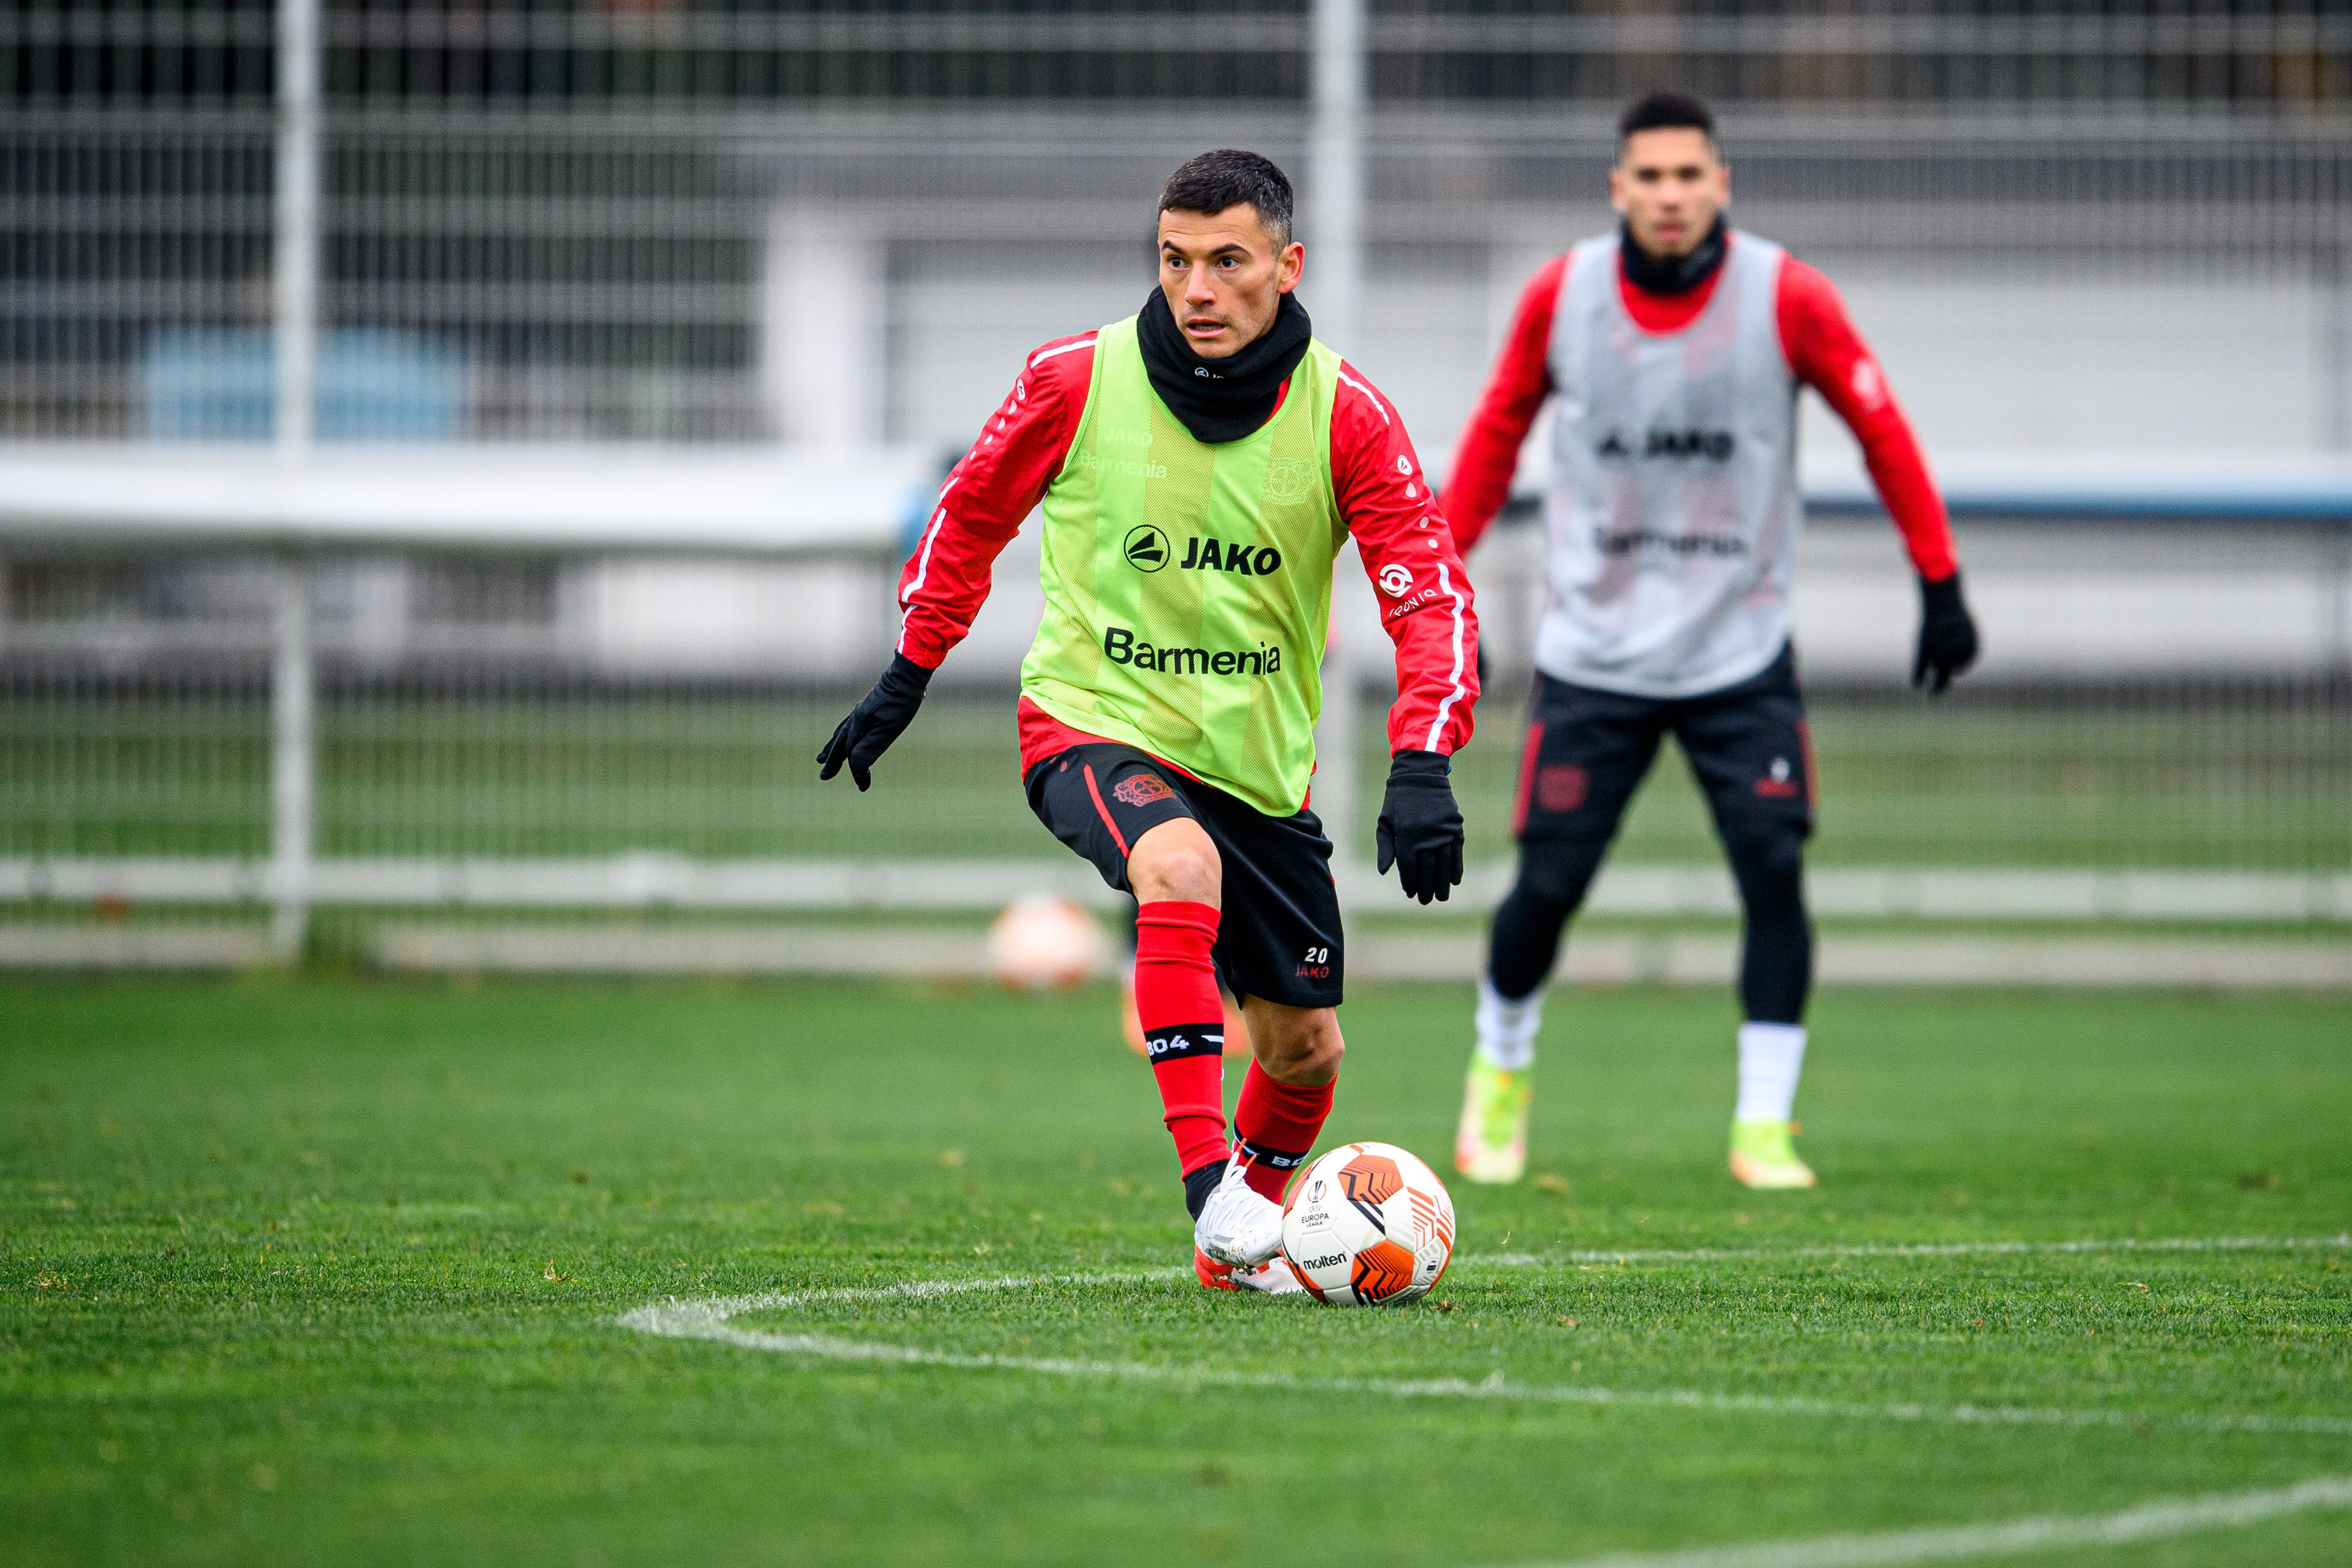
(1278, 1123)
(1183, 1024)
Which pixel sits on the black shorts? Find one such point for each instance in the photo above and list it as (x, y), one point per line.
(1278, 936)
(1588, 749)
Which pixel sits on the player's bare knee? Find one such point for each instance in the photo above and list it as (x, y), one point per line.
(1319, 1061)
(1176, 859)
(1298, 1046)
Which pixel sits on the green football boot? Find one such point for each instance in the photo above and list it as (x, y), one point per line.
(1762, 1157)
(1491, 1145)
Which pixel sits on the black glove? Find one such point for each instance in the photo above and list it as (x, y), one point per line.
(1947, 633)
(877, 721)
(1421, 827)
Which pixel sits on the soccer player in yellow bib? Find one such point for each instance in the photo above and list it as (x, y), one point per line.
(1198, 466)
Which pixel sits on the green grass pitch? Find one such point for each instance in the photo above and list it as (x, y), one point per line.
(318, 1271)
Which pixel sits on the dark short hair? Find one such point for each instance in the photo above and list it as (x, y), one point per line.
(1227, 178)
(1665, 111)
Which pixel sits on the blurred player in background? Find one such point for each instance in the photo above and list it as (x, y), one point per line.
(1674, 348)
(1200, 465)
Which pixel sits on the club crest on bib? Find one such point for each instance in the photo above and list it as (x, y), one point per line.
(1288, 479)
(1141, 789)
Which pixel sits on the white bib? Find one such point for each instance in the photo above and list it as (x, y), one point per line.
(1673, 510)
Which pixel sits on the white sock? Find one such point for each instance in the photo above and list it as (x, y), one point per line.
(1507, 1029)
(1770, 1057)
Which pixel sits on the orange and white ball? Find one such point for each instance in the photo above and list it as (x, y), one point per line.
(1043, 943)
(1368, 1225)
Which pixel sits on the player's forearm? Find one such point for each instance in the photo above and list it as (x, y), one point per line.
(1897, 467)
(1408, 552)
(1828, 353)
(945, 581)
(928, 643)
(1483, 465)
(982, 506)
(1908, 492)
(1437, 669)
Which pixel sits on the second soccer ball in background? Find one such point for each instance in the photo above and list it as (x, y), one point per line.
(1046, 943)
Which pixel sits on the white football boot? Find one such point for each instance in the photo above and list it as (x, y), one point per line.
(1275, 1277)
(1237, 1226)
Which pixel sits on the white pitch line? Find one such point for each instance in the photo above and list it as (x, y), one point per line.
(1909, 1250)
(708, 1319)
(910, 1289)
(2158, 1521)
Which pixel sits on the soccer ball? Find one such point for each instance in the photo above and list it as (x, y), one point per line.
(1368, 1225)
(1043, 943)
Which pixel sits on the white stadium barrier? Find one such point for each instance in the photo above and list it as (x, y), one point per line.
(462, 467)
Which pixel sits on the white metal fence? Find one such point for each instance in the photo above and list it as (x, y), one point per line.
(451, 456)
(205, 736)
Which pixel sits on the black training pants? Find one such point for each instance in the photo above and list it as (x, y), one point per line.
(1588, 750)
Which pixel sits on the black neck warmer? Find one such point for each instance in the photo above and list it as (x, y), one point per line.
(1221, 399)
(1673, 274)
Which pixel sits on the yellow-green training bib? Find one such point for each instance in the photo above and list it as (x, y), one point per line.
(1188, 586)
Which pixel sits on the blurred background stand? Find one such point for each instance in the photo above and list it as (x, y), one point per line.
(455, 460)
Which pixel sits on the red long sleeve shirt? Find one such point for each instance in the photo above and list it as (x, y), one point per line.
(1426, 604)
(1822, 347)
